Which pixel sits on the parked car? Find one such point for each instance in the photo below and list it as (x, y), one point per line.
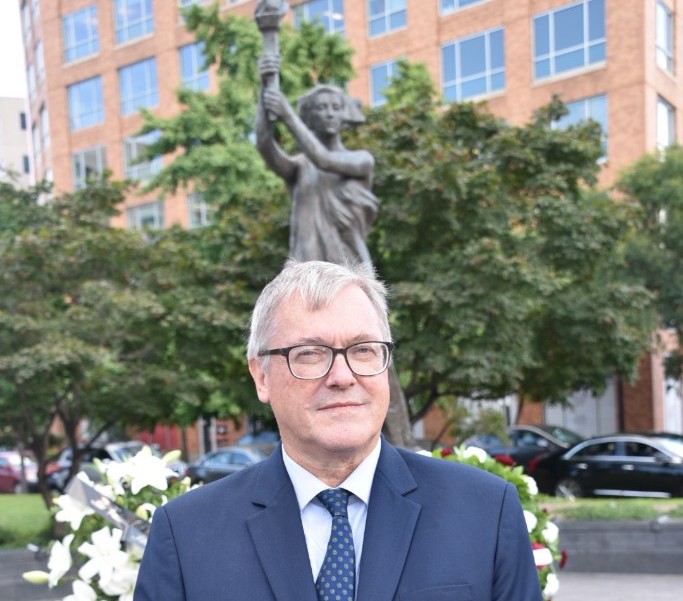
(10, 472)
(618, 465)
(58, 472)
(223, 462)
(526, 443)
(264, 441)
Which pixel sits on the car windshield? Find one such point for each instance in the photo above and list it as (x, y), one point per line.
(675, 447)
(15, 461)
(125, 452)
(562, 434)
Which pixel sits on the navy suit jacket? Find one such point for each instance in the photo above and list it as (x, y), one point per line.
(436, 531)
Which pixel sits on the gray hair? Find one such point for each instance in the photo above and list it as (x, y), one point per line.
(317, 282)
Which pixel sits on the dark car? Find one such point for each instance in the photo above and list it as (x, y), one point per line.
(619, 465)
(10, 472)
(58, 472)
(526, 443)
(265, 440)
(222, 462)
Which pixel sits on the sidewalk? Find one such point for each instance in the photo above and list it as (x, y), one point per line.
(579, 586)
(574, 586)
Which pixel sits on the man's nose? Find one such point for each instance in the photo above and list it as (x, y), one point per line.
(340, 373)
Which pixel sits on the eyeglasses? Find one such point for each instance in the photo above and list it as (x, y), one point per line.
(313, 361)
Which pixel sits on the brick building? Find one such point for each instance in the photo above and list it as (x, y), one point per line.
(91, 64)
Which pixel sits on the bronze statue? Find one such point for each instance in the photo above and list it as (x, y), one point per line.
(333, 206)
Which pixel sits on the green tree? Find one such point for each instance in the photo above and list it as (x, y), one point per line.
(118, 326)
(506, 265)
(654, 185)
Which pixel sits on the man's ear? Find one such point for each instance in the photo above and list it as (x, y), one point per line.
(259, 376)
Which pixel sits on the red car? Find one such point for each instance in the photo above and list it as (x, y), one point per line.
(10, 472)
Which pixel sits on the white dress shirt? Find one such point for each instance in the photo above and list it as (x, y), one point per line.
(317, 521)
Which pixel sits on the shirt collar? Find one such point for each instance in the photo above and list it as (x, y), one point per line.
(307, 486)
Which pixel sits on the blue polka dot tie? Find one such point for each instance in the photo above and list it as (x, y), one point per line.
(336, 581)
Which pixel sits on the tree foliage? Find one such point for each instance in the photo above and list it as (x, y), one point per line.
(654, 185)
(506, 265)
(113, 325)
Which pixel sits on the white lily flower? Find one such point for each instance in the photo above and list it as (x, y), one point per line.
(146, 511)
(147, 470)
(82, 592)
(550, 532)
(477, 452)
(425, 453)
(36, 577)
(118, 473)
(121, 582)
(171, 456)
(552, 585)
(60, 560)
(105, 554)
(531, 485)
(543, 557)
(71, 511)
(531, 520)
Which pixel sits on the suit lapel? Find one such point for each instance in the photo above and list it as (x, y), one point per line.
(278, 535)
(389, 528)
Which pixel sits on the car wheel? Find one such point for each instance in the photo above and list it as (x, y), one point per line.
(568, 488)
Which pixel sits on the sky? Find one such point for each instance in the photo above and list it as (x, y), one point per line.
(12, 72)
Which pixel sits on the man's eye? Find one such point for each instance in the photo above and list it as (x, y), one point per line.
(307, 354)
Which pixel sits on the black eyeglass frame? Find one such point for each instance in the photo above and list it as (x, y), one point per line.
(284, 352)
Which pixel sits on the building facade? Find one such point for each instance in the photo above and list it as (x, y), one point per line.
(15, 162)
(92, 64)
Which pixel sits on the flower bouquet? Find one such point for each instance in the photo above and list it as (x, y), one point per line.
(543, 534)
(108, 521)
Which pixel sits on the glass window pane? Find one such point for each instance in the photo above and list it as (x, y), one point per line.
(473, 56)
(596, 19)
(568, 27)
(569, 60)
(497, 50)
(541, 35)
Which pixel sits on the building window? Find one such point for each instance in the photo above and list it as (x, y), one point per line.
(86, 104)
(666, 124)
(146, 216)
(448, 6)
(26, 22)
(664, 37)
(386, 16)
(569, 38)
(138, 86)
(199, 211)
(191, 62)
(594, 108)
(26, 164)
(380, 79)
(22, 120)
(473, 66)
(81, 37)
(133, 19)
(31, 78)
(40, 60)
(88, 164)
(37, 150)
(133, 149)
(329, 13)
(45, 127)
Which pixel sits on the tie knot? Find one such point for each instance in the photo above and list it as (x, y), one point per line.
(335, 500)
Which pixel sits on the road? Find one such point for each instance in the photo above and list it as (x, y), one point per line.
(573, 586)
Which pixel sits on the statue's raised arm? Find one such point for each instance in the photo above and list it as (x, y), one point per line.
(333, 207)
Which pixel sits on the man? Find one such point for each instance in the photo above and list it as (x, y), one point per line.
(415, 528)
